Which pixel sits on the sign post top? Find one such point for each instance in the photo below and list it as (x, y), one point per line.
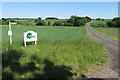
(13, 23)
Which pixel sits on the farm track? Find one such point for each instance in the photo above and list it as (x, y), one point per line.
(111, 70)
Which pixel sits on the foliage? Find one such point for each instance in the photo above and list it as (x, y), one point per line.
(39, 18)
(98, 19)
(101, 25)
(5, 21)
(40, 23)
(88, 19)
(73, 21)
(110, 23)
(59, 23)
(53, 18)
(19, 21)
(49, 23)
(114, 23)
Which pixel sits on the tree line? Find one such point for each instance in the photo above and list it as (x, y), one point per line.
(72, 21)
(115, 22)
(53, 21)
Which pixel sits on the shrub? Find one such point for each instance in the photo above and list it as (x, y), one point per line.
(110, 24)
(60, 23)
(101, 25)
(40, 23)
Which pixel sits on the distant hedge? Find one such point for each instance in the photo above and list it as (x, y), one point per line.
(48, 18)
(73, 21)
(114, 23)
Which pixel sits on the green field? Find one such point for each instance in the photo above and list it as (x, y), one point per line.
(110, 32)
(61, 52)
(100, 22)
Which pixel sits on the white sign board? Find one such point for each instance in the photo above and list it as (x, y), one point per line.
(9, 32)
(30, 36)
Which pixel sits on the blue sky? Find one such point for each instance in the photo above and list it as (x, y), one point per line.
(61, 10)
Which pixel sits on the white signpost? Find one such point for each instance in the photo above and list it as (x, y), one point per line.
(30, 36)
(10, 32)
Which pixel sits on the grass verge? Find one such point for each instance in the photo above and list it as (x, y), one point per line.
(70, 52)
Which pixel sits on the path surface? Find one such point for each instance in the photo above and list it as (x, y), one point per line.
(111, 70)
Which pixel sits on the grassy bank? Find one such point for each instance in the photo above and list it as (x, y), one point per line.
(61, 52)
(100, 22)
(110, 32)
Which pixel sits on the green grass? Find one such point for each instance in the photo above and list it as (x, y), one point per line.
(46, 33)
(109, 32)
(60, 52)
(100, 22)
(106, 31)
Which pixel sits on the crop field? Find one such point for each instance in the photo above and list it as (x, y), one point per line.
(61, 52)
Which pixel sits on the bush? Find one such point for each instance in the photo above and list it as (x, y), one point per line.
(68, 24)
(40, 23)
(60, 23)
(110, 24)
(23, 23)
(117, 23)
(114, 23)
(102, 19)
(101, 25)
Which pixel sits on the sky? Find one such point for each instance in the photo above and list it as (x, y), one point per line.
(60, 0)
(62, 10)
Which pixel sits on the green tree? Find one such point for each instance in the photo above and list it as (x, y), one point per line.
(5, 21)
(98, 19)
(77, 21)
(39, 18)
(88, 19)
(53, 18)
(49, 23)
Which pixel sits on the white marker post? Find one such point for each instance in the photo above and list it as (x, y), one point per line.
(10, 32)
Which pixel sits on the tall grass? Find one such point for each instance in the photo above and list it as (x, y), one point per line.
(109, 32)
(61, 52)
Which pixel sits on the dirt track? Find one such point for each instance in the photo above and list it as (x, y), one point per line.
(111, 70)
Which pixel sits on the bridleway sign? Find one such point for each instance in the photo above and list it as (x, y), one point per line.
(30, 36)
